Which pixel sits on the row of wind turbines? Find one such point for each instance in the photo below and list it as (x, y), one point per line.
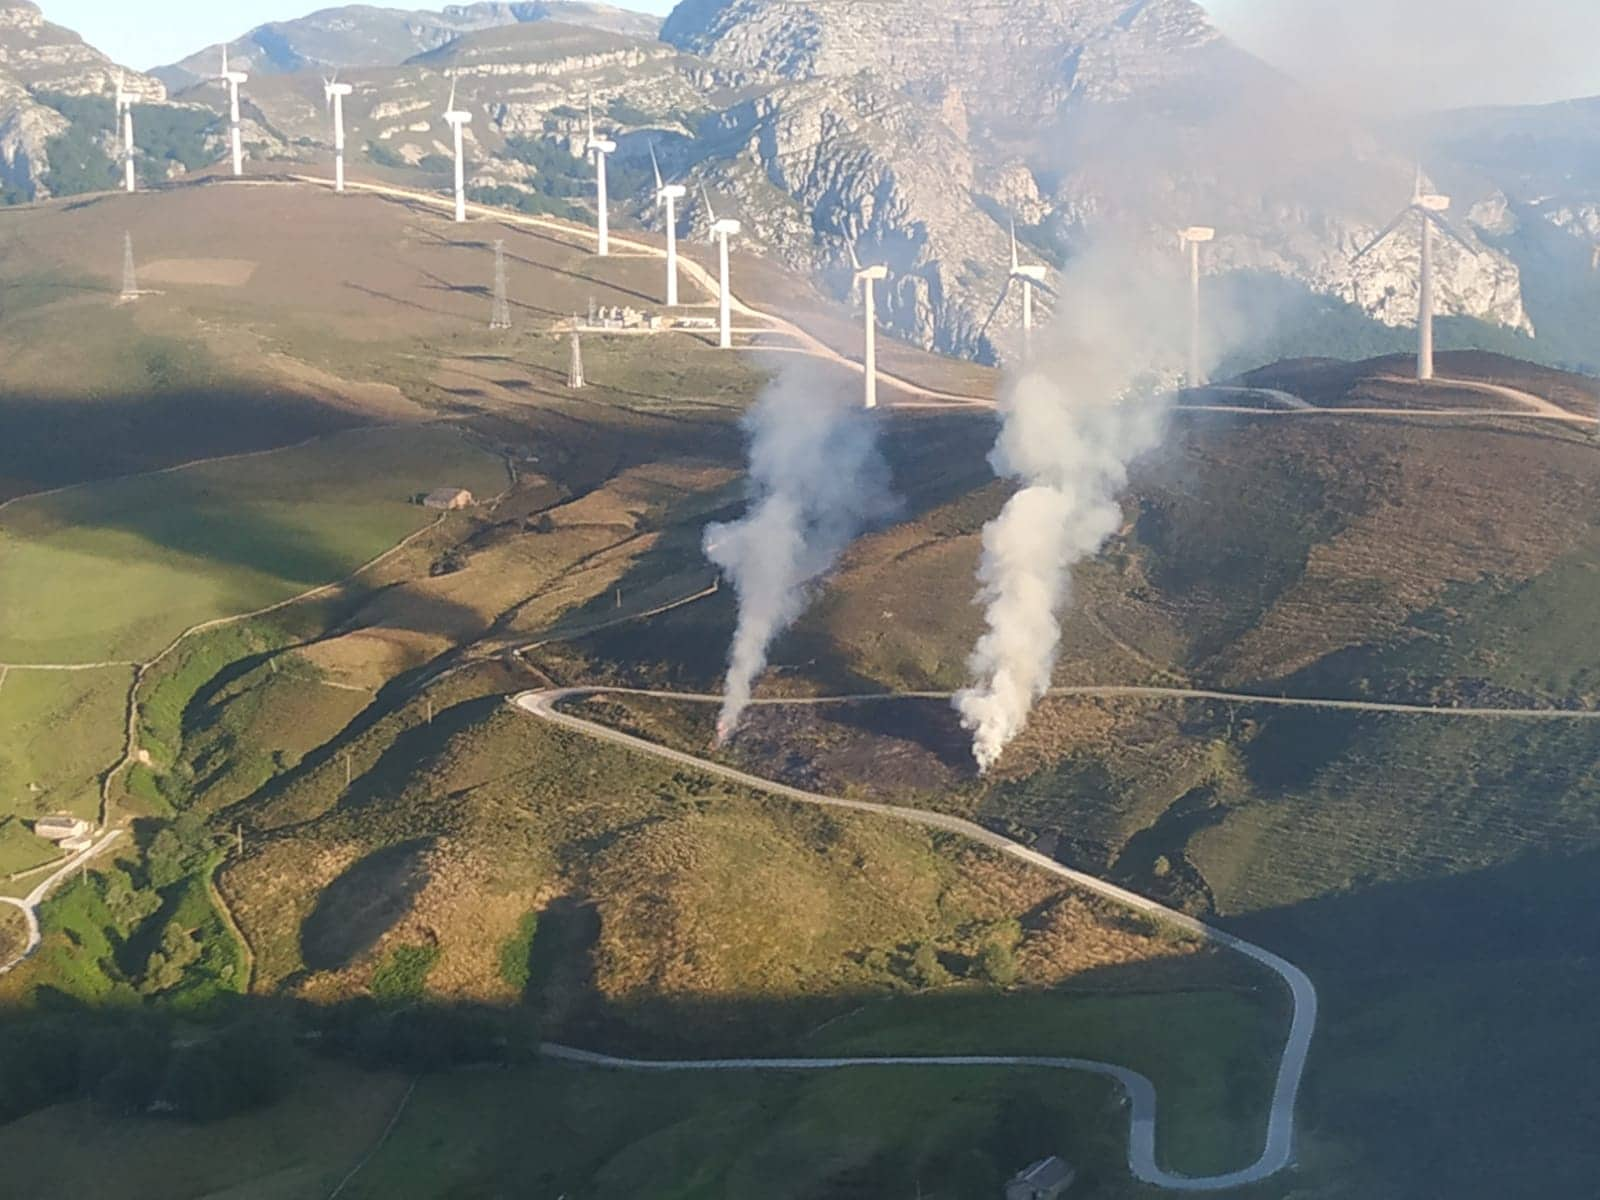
(1426, 207)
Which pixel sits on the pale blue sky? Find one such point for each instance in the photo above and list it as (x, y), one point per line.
(1475, 51)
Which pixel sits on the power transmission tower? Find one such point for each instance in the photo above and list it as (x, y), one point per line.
(130, 276)
(575, 365)
(502, 303)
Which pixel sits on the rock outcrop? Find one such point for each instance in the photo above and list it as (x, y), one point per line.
(40, 59)
(920, 127)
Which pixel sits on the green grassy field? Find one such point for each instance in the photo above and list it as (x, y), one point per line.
(117, 570)
(954, 1135)
(298, 1148)
(61, 729)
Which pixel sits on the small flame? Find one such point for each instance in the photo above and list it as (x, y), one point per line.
(725, 731)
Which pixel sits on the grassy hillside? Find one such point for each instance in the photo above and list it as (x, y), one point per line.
(194, 545)
(341, 814)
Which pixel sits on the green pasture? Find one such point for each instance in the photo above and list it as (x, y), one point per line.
(116, 571)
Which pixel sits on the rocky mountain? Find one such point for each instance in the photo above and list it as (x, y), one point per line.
(364, 36)
(919, 130)
(919, 127)
(40, 62)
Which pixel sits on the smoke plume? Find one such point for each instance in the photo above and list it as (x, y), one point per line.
(817, 479)
(1092, 399)
(1425, 54)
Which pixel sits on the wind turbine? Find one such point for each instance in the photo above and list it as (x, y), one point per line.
(1191, 239)
(458, 120)
(669, 194)
(125, 119)
(335, 92)
(868, 278)
(721, 231)
(232, 80)
(1429, 209)
(600, 147)
(1030, 275)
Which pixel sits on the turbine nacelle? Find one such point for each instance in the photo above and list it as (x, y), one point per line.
(665, 191)
(1432, 203)
(1032, 272)
(866, 274)
(726, 227)
(330, 90)
(598, 145)
(228, 76)
(1196, 235)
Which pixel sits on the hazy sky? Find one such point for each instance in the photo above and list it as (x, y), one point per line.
(1473, 51)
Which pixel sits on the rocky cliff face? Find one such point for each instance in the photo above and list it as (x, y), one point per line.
(41, 59)
(920, 127)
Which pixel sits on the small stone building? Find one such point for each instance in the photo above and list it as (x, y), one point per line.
(448, 499)
(61, 827)
(1047, 1179)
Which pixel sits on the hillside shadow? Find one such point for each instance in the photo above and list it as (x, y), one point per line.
(1454, 1053)
(49, 441)
(363, 904)
(201, 522)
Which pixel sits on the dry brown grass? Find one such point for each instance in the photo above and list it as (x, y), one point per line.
(1456, 508)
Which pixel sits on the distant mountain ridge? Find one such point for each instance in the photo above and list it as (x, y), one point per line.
(367, 36)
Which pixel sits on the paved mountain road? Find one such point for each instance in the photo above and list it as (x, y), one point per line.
(1142, 1162)
(1279, 1149)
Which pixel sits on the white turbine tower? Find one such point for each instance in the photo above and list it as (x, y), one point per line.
(1191, 239)
(600, 147)
(335, 92)
(458, 120)
(130, 274)
(1030, 276)
(1429, 209)
(231, 80)
(868, 278)
(125, 119)
(669, 194)
(721, 231)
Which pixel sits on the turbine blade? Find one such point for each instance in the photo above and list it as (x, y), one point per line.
(1449, 230)
(710, 212)
(1015, 261)
(655, 165)
(855, 262)
(1384, 236)
(998, 305)
(451, 107)
(1046, 289)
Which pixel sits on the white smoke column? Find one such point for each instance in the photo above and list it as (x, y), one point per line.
(1093, 398)
(817, 479)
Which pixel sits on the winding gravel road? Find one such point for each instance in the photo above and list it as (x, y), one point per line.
(1278, 1152)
